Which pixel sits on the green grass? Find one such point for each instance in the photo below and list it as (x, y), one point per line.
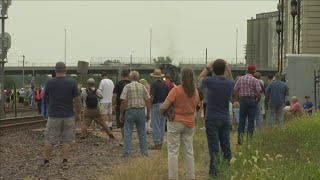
(289, 153)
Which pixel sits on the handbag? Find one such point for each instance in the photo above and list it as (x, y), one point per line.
(169, 113)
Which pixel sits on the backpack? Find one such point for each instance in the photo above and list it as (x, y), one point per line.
(91, 100)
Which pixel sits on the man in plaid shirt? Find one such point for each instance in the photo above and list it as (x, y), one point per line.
(134, 98)
(247, 89)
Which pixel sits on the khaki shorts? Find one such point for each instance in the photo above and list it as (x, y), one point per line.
(92, 114)
(106, 108)
(60, 129)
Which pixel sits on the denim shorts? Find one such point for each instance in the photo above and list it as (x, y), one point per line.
(60, 129)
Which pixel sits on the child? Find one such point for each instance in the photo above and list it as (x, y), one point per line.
(236, 113)
(287, 107)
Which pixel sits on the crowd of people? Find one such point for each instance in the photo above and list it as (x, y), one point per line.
(241, 103)
(33, 97)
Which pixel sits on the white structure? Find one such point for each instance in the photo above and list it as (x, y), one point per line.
(300, 75)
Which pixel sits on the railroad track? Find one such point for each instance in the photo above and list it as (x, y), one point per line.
(27, 109)
(22, 122)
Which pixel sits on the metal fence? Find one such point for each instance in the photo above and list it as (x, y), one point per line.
(97, 61)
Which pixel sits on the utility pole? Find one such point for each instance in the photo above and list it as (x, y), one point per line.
(206, 56)
(237, 46)
(4, 48)
(65, 46)
(150, 44)
(23, 58)
(2, 115)
(282, 37)
(299, 25)
(131, 61)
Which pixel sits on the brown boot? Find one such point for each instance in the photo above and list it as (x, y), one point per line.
(156, 147)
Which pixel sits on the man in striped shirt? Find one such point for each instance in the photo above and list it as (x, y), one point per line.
(247, 89)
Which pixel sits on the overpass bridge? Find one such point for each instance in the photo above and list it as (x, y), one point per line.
(115, 69)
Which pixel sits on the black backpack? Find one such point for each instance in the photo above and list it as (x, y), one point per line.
(91, 100)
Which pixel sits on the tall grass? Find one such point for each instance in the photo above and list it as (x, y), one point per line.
(289, 153)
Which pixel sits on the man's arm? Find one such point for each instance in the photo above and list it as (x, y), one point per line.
(100, 85)
(258, 90)
(205, 71)
(77, 102)
(287, 91)
(268, 90)
(312, 107)
(123, 107)
(166, 104)
(258, 95)
(293, 108)
(236, 90)
(124, 103)
(148, 105)
(114, 99)
(152, 93)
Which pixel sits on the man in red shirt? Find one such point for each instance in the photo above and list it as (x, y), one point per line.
(248, 90)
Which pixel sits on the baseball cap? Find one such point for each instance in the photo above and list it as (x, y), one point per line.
(251, 67)
(60, 67)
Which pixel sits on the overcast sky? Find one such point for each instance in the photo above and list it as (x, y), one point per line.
(114, 29)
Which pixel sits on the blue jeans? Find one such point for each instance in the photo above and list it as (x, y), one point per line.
(258, 116)
(158, 124)
(275, 110)
(218, 132)
(135, 116)
(248, 108)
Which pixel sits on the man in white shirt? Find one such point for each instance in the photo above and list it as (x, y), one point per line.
(106, 86)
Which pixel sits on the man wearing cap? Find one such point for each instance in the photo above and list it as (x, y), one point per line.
(90, 98)
(276, 92)
(159, 91)
(247, 90)
(61, 93)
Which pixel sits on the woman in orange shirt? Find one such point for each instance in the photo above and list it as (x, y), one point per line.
(184, 99)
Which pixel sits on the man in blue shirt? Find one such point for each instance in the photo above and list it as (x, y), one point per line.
(61, 93)
(159, 90)
(217, 119)
(276, 93)
(308, 105)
